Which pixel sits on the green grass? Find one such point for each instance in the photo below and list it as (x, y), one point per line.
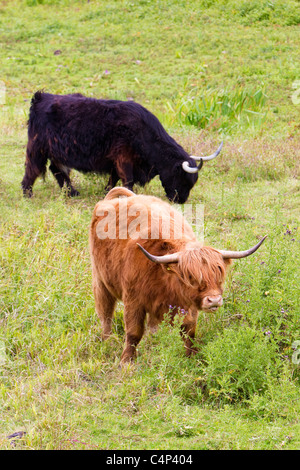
(210, 71)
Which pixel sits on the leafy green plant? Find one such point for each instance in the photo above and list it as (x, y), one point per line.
(223, 110)
(281, 398)
(238, 363)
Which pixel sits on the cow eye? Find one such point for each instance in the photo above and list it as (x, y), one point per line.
(193, 281)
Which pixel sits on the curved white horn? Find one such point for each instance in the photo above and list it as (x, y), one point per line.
(241, 254)
(189, 169)
(164, 259)
(209, 157)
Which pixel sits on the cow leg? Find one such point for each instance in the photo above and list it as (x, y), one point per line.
(61, 174)
(124, 169)
(113, 179)
(35, 166)
(134, 327)
(154, 320)
(105, 305)
(188, 330)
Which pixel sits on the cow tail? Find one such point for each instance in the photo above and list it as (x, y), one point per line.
(35, 158)
(32, 113)
(119, 191)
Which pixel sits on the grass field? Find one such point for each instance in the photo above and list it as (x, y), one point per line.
(211, 71)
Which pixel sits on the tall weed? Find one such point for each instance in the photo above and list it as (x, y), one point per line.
(223, 110)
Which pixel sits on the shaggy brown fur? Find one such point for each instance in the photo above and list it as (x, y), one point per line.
(121, 271)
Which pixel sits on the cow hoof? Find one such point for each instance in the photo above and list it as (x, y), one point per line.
(191, 350)
(27, 193)
(74, 193)
(127, 360)
(126, 365)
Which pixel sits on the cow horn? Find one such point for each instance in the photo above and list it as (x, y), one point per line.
(189, 169)
(241, 254)
(209, 157)
(164, 259)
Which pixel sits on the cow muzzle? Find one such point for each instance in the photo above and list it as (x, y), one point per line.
(212, 303)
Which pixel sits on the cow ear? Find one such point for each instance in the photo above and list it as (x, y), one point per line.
(227, 262)
(54, 108)
(165, 246)
(178, 168)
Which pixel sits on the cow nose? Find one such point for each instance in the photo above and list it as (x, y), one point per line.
(215, 301)
(212, 302)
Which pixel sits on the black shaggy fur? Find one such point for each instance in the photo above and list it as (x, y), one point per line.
(120, 138)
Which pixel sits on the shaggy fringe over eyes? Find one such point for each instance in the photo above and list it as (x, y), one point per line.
(200, 267)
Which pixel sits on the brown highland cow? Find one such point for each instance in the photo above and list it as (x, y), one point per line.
(144, 253)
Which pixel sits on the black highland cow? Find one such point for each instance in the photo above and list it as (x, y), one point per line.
(120, 138)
